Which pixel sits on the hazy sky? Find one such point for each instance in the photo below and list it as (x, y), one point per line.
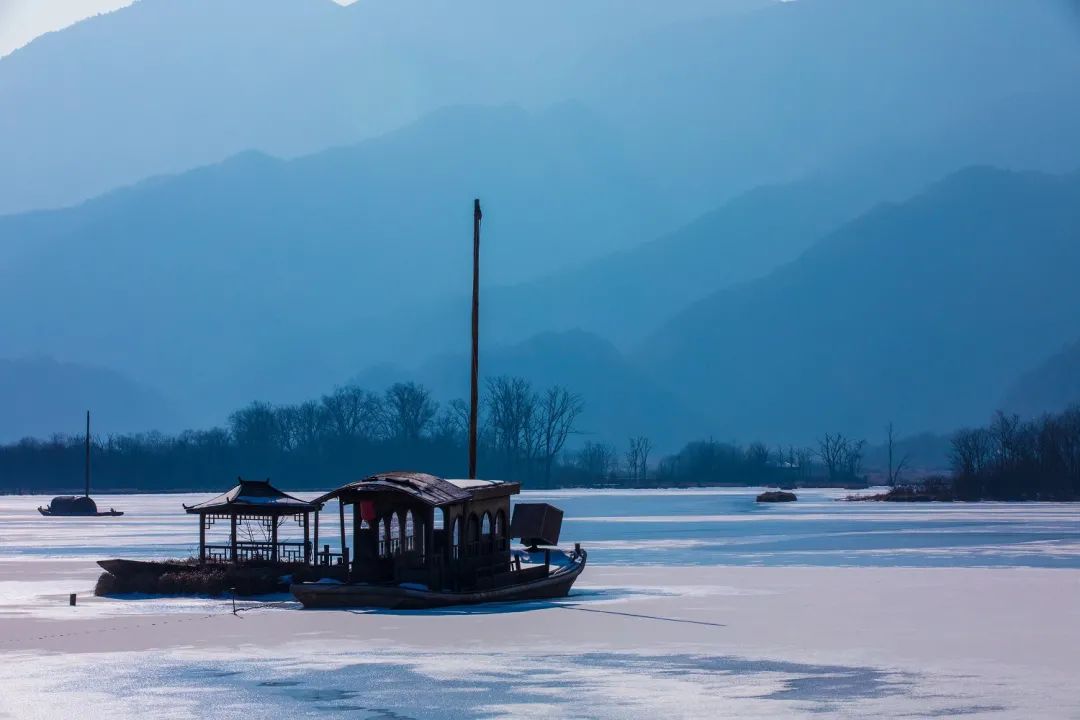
(23, 20)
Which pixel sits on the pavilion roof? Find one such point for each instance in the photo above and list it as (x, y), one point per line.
(254, 497)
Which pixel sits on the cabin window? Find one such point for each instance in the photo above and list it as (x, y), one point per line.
(485, 533)
(410, 532)
(383, 537)
(455, 539)
(395, 534)
(500, 529)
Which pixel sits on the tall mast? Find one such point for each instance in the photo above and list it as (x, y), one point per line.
(474, 393)
(87, 453)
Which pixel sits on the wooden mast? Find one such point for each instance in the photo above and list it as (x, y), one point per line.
(87, 468)
(474, 376)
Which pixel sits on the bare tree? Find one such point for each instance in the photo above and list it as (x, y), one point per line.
(301, 426)
(409, 410)
(559, 409)
(895, 467)
(971, 451)
(512, 413)
(632, 461)
(351, 412)
(637, 457)
(831, 450)
(597, 460)
(453, 422)
(841, 456)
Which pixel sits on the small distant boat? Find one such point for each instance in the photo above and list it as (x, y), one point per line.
(78, 505)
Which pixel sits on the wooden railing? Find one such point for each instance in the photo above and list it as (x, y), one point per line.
(287, 552)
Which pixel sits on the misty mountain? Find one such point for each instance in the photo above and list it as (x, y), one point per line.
(229, 280)
(625, 295)
(718, 105)
(164, 86)
(920, 312)
(40, 396)
(712, 98)
(620, 400)
(1052, 386)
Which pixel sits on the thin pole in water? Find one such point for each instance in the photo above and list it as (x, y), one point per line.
(87, 453)
(474, 392)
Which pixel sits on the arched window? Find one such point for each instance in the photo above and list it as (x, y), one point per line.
(455, 539)
(395, 534)
(485, 534)
(383, 534)
(410, 532)
(500, 530)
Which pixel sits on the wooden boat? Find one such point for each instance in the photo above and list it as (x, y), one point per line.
(533, 583)
(75, 505)
(420, 541)
(127, 568)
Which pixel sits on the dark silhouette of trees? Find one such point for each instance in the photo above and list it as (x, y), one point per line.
(1015, 460)
(408, 410)
(895, 467)
(637, 458)
(842, 457)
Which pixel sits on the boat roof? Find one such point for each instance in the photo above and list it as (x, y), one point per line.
(254, 497)
(432, 490)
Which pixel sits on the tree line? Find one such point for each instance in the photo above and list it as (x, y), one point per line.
(318, 443)
(523, 436)
(1010, 459)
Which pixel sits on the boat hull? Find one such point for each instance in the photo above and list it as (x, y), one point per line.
(320, 595)
(49, 513)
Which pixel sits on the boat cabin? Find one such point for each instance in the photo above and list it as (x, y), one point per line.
(415, 528)
(255, 511)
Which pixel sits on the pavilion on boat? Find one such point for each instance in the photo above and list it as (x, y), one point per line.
(258, 504)
(419, 529)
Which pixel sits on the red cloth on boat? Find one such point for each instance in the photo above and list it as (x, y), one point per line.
(367, 510)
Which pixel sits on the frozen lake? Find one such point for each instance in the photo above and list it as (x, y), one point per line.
(696, 603)
(645, 527)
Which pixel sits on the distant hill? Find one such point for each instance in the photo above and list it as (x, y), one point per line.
(919, 312)
(620, 400)
(78, 116)
(40, 397)
(704, 94)
(625, 295)
(1052, 386)
(253, 275)
(718, 105)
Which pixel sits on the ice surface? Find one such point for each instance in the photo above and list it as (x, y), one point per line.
(696, 603)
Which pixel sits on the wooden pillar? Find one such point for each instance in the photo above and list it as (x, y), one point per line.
(273, 538)
(232, 536)
(315, 542)
(429, 538)
(341, 520)
(202, 538)
(307, 539)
